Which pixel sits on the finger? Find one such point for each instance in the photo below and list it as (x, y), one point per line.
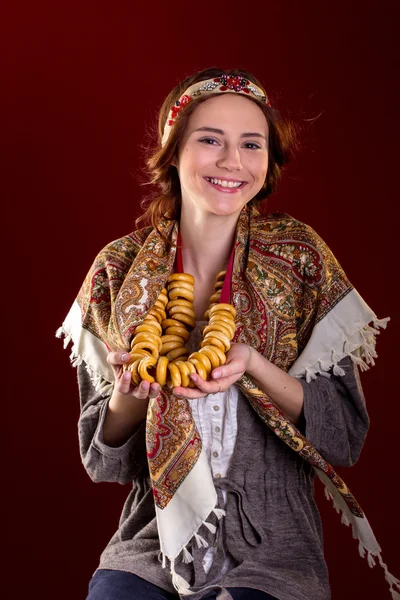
(190, 393)
(155, 389)
(117, 358)
(235, 367)
(209, 387)
(203, 388)
(123, 383)
(226, 382)
(142, 391)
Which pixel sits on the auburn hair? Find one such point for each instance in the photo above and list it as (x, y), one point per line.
(165, 201)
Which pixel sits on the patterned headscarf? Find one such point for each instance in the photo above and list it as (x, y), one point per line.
(225, 83)
(294, 305)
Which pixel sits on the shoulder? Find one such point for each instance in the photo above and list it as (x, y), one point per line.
(281, 229)
(123, 249)
(284, 227)
(110, 268)
(288, 241)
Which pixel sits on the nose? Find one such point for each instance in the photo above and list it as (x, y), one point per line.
(229, 158)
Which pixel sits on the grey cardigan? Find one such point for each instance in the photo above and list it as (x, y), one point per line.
(272, 529)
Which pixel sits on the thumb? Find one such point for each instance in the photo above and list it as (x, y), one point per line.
(117, 358)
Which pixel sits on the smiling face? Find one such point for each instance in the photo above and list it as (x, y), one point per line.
(223, 156)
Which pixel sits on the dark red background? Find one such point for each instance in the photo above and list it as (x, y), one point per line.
(82, 85)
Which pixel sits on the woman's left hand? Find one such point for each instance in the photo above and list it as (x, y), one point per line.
(237, 363)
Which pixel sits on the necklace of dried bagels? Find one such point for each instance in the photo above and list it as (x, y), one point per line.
(158, 351)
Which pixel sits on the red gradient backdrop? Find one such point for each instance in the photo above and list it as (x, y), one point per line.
(81, 87)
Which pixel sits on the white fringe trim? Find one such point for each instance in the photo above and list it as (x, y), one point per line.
(101, 385)
(368, 546)
(363, 355)
(392, 581)
(201, 542)
(187, 557)
(210, 526)
(180, 584)
(219, 513)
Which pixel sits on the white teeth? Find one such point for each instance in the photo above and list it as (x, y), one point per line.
(224, 183)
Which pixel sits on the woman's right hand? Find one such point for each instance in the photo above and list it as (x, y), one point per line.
(123, 381)
(127, 407)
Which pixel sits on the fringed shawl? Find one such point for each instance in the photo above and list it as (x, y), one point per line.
(294, 305)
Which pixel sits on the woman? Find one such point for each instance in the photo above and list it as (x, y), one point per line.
(222, 469)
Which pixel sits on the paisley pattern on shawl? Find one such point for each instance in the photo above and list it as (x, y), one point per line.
(284, 280)
(291, 436)
(294, 305)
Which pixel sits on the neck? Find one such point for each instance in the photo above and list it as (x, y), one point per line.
(206, 243)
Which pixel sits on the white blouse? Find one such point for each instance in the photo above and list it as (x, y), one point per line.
(216, 422)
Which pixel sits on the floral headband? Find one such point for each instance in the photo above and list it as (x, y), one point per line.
(223, 83)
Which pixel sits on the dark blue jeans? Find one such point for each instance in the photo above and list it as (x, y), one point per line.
(120, 585)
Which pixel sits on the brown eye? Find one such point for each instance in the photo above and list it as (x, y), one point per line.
(209, 141)
(252, 146)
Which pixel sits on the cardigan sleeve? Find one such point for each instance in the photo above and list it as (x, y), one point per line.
(121, 464)
(335, 418)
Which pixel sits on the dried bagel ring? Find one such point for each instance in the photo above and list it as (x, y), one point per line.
(150, 327)
(184, 371)
(151, 319)
(221, 275)
(168, 346)
(144, 364)
(226, 327)
(176, 353)
(158, 313)
(138, 353)
(221, 336)
(180, 331)
(175, 375)
(218, 327)
(181, 277)
(200, 368)
(162, 301)
(161, 370)
(189, 321)
(223, 315)
(170, 323)
(223, 307)
(211, 341)
(172, 338)
(133, 369)
(179, 302)
(181, 292)
(180, 284)
(215, 297)
(159, 305)
(147, 337)
(204, 359)
(192, 369)
(212, 355)
(185, 310)
(220, 353)
(163, 298)
(148, 346)
(207, 313)
(224, 321)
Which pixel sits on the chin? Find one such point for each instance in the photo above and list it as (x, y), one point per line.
(225, 211)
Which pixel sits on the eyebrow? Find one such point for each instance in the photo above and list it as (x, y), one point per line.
(221, 132)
